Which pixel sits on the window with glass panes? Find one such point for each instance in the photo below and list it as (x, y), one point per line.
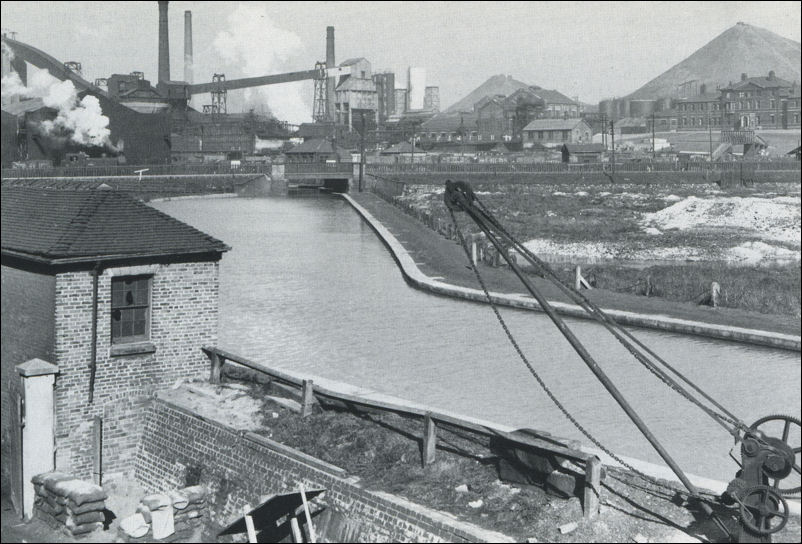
(130, 309)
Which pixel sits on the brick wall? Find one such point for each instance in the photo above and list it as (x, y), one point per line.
(240, 470)
(184, 315)
(27, 332)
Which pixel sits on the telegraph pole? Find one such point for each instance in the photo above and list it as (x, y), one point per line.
(362, 150)
(612, 140)
(710, 136)
(653, 151)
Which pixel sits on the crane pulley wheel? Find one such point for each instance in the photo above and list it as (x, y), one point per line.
(763, 510)
(789, 429)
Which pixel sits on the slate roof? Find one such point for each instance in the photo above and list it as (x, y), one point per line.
(762, 82)
(401, 147)
(55, 227)
(449, 122)
(553, 124)
(315, 145)
(552, 96)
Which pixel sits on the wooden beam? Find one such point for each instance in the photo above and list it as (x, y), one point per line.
(592, 491)
(429, 439)
(217, 366)
(544, 441)
(307, 398)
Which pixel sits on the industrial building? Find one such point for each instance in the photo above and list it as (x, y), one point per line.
(156, 124)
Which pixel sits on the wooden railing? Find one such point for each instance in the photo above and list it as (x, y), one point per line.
(131, 170)
(309, 391)
(579, 168)
(318, 168)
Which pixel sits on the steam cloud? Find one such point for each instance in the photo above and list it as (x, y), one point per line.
(254, 42)
(80, 120)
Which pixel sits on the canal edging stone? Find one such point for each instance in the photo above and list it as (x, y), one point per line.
(415, 277)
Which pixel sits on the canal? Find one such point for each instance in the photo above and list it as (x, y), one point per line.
(308, 286)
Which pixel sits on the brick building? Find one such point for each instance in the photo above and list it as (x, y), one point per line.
(694, 113)
(555, 132)
(149, 281)
(761, 102)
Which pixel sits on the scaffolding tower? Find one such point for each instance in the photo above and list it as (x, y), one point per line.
(320, 110)
(219, 97)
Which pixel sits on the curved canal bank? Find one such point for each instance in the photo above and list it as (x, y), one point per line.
(681, 322)
(309, 288)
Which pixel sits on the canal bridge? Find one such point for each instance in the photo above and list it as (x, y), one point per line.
(337, 177)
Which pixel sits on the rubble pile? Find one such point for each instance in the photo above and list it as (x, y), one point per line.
(167, 517)
(65, 502)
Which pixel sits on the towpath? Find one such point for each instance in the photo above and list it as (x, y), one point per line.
(444, 259)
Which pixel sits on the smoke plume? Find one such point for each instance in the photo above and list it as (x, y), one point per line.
(259, 47)
(80, 120)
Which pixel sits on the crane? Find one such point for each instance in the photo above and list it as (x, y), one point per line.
(765, 458)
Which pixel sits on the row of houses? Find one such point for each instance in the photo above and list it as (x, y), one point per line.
(762, 102)
(502, 118)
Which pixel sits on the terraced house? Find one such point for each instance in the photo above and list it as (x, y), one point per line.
(113, 298)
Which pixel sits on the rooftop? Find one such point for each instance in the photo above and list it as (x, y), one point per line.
(449, 122)
(55, 226)
(553, 124)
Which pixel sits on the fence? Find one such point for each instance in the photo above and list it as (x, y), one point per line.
(568, 168)
(308, 389)
(131, 170)
(319, 168)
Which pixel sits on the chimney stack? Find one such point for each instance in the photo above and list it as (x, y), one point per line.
(330, 84)
(743, 76)
(188, 47)
(771, 75)
(164, 44)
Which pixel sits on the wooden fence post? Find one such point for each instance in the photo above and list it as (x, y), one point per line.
(429, 439)
(217, 364)
(592, 490)
(307, 398)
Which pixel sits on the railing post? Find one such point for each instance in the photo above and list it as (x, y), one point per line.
(217, 364)
(307, 398)
(592, 491)
(429, 439)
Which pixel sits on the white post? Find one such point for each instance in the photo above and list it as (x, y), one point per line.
(578, 278)
(38, 425)
(473, 250)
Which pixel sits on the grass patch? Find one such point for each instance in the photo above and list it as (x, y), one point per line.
(770, 290)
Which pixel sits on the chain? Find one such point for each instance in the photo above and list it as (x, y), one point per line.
(595, 312)
(534, 373)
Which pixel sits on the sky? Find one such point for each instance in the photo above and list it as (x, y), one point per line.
(590, 50)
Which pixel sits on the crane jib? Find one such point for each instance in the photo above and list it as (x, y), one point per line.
(765, 457)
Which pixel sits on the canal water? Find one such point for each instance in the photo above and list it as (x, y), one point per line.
(308, 286)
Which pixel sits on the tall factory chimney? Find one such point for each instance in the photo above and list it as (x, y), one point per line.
(188, 46)
(332, 81)
(164, 44)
